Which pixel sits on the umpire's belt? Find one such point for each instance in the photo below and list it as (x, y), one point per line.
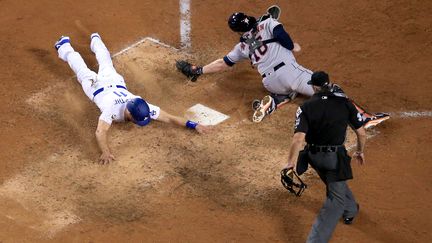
(110, 86)
(275, 68)
(325, 148)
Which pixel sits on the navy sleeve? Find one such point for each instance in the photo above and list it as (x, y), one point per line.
(282, 37)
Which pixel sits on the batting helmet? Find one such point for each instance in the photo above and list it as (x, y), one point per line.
(139, 110)
(240, 22)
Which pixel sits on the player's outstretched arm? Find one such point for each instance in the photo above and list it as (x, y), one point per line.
(102, 140)
(218, 65)
(180, 121)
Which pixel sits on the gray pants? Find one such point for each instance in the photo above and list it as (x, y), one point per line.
(340, 201)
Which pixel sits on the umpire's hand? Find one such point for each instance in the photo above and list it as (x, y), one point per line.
(359, 156)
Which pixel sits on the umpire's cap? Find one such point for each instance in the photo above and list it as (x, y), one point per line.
(319, 78)
(139, 110)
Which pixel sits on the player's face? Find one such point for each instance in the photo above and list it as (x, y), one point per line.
(128, 116)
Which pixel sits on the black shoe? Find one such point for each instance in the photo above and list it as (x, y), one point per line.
(349, 221)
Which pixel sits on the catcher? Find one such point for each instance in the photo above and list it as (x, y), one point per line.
(269, 47)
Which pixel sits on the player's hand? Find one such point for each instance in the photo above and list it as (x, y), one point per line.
(359, 156)
(203, 129)
(297, 47)
(106, 158)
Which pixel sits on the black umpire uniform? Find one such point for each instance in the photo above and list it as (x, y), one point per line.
(322, 121)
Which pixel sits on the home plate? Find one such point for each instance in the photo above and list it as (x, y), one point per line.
(205, 115)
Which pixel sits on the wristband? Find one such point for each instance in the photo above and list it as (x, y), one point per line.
(199, 70)
(190, 124)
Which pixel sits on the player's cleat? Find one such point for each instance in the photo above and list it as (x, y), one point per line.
(95, 35)
(376, 119)
(256, 104)
(266, 107)
(63, 40)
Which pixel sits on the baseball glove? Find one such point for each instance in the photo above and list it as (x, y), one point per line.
(287, 179)
(189, 70)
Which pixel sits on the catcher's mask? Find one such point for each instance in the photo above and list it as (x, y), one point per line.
(287, 180)
(139, 111)
(240, 22)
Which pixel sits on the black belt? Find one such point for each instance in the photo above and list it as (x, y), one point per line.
(325, 148)
(102, 89)
(275, 68)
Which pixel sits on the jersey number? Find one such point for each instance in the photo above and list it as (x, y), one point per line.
(261, 50)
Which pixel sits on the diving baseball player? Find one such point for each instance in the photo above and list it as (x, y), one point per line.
(108, 90)
(270, 49)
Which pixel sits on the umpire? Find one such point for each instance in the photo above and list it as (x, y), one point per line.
(322, 121)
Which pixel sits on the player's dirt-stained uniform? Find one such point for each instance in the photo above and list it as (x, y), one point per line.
(277, 65)
(107, 89)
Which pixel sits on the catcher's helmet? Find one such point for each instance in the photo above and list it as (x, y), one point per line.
(139, 110)
(240, 22)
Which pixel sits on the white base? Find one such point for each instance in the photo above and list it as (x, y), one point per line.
(205, 115)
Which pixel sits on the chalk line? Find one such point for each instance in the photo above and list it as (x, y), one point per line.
(185, 24)
(411, 114)
(141, 41)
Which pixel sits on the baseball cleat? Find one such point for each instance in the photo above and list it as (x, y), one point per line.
(95, 35)
(256, 104)
(266, 107)
(63, 40)
(376, 119)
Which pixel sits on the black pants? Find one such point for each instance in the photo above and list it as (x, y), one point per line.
(340, 201)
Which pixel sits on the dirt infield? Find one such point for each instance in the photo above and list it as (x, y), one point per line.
(172, 185)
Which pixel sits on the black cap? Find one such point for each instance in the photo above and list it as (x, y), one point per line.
(319, 78)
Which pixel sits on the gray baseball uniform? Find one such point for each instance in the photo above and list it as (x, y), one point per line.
(277, 65)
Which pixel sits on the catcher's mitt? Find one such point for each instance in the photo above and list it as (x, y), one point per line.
(287, 179)
(189, 70)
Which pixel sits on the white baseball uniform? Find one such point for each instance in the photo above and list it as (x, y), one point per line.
(107, 88)
(289, 76)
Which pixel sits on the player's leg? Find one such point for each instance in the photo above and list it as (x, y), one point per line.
(85, 76)
(281, 93)
(103, 56)
(107, 74)
(371, 119)
(300, 84)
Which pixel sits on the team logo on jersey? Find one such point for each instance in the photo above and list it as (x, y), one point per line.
(297, 121)
(93, 82)
(113, 117)
(359, 117)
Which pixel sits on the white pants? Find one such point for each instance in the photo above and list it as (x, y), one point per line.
(89, 80)
(288, 78)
